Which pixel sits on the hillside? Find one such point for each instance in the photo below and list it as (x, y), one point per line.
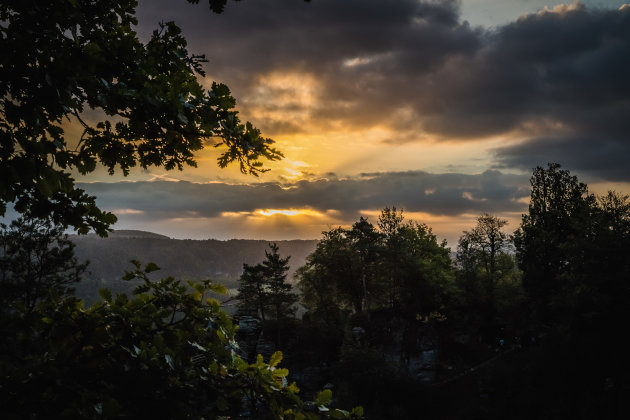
(183, 259)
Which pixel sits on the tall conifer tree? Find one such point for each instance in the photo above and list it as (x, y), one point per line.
(263, 288)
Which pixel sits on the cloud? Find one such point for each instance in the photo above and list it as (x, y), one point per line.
(597, 157)
(419, 70)
(391, 44)
(566, 65)
(416, 191)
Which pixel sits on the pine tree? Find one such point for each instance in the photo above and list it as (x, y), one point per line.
(252, 293)
(263, 288)
(281, 298)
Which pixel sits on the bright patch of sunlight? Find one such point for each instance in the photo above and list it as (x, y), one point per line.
(289, 212)
(127, 211)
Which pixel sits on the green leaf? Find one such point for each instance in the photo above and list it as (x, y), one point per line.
(293, 388)
(218, 288)
(222, 336)
(150, 267)
(129, 275)
(357, 412)
(105, 294)
(323, 397)
(275, 358)
(214, 368)
(281, 372)
(239, 363)
(338, 414)
(212, 302)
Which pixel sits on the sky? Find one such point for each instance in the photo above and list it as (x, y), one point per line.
(441, 108)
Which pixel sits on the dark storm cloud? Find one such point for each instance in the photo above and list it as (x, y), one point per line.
(416, 67)
(438, 194)
(596, 157)
(393, 42)
(570, 67)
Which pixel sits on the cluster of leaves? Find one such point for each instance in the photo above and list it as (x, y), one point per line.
(168, 351)
(136, 103)
(263, 287)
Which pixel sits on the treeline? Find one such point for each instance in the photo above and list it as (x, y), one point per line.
(400, 327)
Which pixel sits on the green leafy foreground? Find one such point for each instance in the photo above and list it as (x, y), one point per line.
(168, 351)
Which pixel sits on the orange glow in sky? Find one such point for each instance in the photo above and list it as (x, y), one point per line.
(289, 212)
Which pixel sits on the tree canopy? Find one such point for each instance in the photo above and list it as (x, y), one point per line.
(137, 104)
(554, 234)
(398, 265)
(572, 247)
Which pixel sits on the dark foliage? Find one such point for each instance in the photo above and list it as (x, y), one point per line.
(145, 105)
(167, 351)
(36, 260)
(263, 288)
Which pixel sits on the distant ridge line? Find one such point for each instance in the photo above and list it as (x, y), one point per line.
(129, 233)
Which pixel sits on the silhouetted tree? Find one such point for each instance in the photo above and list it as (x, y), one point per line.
(489, 240)
(36, 259)
(414, 265)
(252, 293)
(365, 242)
(401, 268)
(281, 296)
(553, 235)
(390, 222)
(573, 250)
(482, 254)
(343, 262)
(487, 277)
(263, 287)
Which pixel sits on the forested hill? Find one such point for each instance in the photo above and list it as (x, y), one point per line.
(183, 259)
